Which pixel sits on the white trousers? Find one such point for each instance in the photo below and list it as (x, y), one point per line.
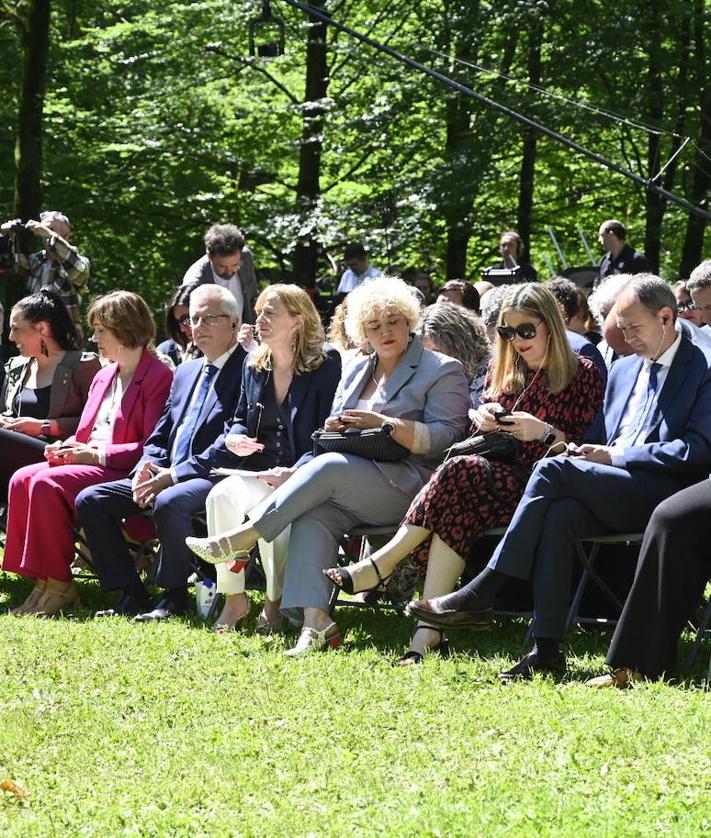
(228, 504)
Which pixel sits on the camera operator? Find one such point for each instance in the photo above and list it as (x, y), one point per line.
(59, 267)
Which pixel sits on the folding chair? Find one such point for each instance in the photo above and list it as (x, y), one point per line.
(702, 632)
(587, 559)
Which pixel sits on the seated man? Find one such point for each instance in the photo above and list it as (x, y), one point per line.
(657, 432)
(673, 568)
(174, 475)
(566, 295)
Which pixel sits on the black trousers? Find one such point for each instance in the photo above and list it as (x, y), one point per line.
(17, 450)
(673, 568)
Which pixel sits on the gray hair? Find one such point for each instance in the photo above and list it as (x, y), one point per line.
(456, 331)
(603, 298)
(652, 292)
(226, 298)
(492, 302)
(700, 277)
(55, 215)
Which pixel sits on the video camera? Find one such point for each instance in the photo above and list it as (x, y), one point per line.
(7, 255)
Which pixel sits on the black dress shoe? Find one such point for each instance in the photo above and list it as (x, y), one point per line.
(525, 669)
(127, 606)
(165, 609)
(427, 611)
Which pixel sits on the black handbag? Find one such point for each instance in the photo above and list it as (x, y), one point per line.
(498, 445)
(370, 443)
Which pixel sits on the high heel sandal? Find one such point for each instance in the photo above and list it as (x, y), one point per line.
(228, 628)
(414, 658)
(312, 640)
(203, 547)
(346, 583)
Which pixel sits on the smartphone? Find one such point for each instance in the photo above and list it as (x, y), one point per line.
(499, 415)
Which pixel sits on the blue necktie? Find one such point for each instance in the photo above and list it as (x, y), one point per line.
(186, 431)
(641, 425)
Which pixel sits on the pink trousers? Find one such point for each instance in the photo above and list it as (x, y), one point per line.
(42, 514)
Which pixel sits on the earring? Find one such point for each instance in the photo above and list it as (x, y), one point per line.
(43, 348)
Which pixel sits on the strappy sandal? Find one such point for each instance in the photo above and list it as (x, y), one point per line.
(229, 628)
(415, 658)
(346, 583)
(311, 640)
(214, 551)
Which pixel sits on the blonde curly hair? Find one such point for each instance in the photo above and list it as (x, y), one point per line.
(373, 298)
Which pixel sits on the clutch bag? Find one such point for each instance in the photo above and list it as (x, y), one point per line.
(370, 443)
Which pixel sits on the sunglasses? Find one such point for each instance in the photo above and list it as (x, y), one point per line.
(526, 331)
(687, 305)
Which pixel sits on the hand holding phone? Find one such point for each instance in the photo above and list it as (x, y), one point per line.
(500, 414)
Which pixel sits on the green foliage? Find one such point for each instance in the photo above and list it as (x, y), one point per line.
(158, 123)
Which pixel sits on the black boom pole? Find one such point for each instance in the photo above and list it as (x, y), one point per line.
(320, 15)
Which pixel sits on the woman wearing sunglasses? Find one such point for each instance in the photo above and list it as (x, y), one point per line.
(539, 391)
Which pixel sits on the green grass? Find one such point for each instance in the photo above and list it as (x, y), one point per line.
(115, 728)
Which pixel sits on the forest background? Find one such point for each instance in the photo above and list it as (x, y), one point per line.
(146, 122)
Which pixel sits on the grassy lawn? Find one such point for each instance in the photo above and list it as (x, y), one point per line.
(115, 728)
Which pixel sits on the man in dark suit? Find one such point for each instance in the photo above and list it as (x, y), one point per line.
(619, 257)
(227, 262)
(173, 478)
(673, 568)
(656, 440)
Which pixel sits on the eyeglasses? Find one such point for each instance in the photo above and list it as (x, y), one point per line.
(687, 305)
(526, 331)
(208, 319)
(184, 321)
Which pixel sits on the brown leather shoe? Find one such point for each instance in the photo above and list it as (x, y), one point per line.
(428, 611)
(620, 678)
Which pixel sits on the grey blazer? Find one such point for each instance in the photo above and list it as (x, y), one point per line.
(69, 390)
(201, 272)
(427, 387)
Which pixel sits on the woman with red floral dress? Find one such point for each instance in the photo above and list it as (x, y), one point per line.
(544, 395)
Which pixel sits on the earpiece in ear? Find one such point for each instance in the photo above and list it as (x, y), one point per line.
(664, 320)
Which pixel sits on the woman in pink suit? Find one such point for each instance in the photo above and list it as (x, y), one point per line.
(125, 400)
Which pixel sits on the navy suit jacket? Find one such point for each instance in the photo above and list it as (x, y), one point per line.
(311, 398)
(680, 439)
(217, 409)
(582, 346)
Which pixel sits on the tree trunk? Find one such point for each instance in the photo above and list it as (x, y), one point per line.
(655, 112)
(308, 186)
(695, 227)
(530, 139)
(28, 144)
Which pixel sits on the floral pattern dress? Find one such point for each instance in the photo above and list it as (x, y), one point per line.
(468, 495)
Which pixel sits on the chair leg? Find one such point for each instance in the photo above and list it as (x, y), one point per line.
(587, 561)
(704, 627)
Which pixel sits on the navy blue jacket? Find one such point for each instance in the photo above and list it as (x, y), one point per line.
(217, 409)
(311, 398)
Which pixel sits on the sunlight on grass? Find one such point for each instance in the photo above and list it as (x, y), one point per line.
(115, 728)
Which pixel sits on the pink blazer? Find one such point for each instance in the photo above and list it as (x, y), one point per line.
(139, 411)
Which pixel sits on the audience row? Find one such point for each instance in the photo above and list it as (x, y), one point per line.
(125, 442)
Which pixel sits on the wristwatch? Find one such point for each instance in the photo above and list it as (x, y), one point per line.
(46, 428)
(388, 427)
(548, 437)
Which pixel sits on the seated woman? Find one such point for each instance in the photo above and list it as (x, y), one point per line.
(419, 395)
(125, 401)
(552, 395)
(288, 385)
(45, 387)
(179, 346)
(458, 332)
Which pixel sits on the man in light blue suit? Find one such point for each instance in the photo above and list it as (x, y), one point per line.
(656, 441)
